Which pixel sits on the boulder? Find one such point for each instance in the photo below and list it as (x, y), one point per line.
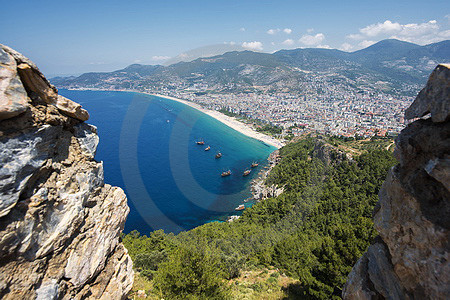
(434, 97)
(72, 109)
(13, 97)
(34, 83)
(21, 78)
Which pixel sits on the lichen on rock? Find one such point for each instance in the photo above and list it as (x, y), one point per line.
(60, 224)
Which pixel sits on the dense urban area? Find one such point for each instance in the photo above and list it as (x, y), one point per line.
(321, 108)
(290, 92)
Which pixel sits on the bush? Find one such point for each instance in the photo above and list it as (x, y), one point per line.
(192, 273)
(148, 262)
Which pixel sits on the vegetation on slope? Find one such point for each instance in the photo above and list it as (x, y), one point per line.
(270, 129)
(313, 233)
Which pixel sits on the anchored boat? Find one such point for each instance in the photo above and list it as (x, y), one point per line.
(219, 155)
(201, 142)
(240, 207)
(226, 173)
(207, 148)
(254, 164)
(246, 172)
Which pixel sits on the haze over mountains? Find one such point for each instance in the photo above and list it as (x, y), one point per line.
(390, 65)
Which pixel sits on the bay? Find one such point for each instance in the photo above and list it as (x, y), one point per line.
(147, 145)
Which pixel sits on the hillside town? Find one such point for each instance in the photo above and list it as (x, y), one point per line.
(289, 93)
(333, 110)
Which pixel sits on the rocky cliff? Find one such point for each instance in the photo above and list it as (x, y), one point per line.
(260, 190)
(60, 225)
(410, 258)
(327, 153)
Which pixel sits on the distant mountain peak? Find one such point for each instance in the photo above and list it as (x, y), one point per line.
(391, 46)
(393, 61)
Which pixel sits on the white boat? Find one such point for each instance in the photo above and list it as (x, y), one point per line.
(240, 207)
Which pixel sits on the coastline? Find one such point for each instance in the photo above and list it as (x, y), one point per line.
(257, 188)
(229, 121)
(261, 191)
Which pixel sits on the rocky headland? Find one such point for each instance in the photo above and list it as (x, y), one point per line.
(410, 258)
(260, 190)
(60, 224)
(322, 150)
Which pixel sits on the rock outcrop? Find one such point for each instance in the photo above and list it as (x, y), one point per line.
(410, 258)
(328, 154)
(262, 191)
(60, 224)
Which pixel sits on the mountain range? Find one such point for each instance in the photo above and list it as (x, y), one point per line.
(392, 65)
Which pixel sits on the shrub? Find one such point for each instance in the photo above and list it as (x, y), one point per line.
(192, 273)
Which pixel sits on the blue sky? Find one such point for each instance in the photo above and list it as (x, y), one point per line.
(70, 37)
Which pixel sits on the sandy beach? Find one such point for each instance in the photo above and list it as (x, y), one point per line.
(230, 122)
(227, 120)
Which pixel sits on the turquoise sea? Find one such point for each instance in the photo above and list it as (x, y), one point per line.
(148, 147)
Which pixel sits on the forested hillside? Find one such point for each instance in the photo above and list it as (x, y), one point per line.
(313, 233)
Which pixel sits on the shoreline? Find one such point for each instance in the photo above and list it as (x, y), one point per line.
(256, 185)
(224, 119)
(229, 121)
(261, 191)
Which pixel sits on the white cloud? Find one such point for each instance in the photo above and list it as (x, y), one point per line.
(254, 46)
(381, 28)
(288, 42)
(136, 61)
(272, 43)
(444, 34)
(273, 31)
(356, 36)
(419, 30)
(419, 33)
(310, 30)
(366, 43)
(346, 47)
(160, 57)
(242, 29)
(323, 46)
(312, 40)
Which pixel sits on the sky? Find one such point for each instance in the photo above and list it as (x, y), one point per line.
(73, 37)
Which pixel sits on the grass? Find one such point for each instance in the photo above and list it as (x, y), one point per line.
(357, 147)
(265, 284)
(143, 284)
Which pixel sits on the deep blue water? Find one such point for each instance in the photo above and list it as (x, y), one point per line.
(148, 148)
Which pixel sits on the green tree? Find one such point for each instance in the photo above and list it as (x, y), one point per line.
(192, 273)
